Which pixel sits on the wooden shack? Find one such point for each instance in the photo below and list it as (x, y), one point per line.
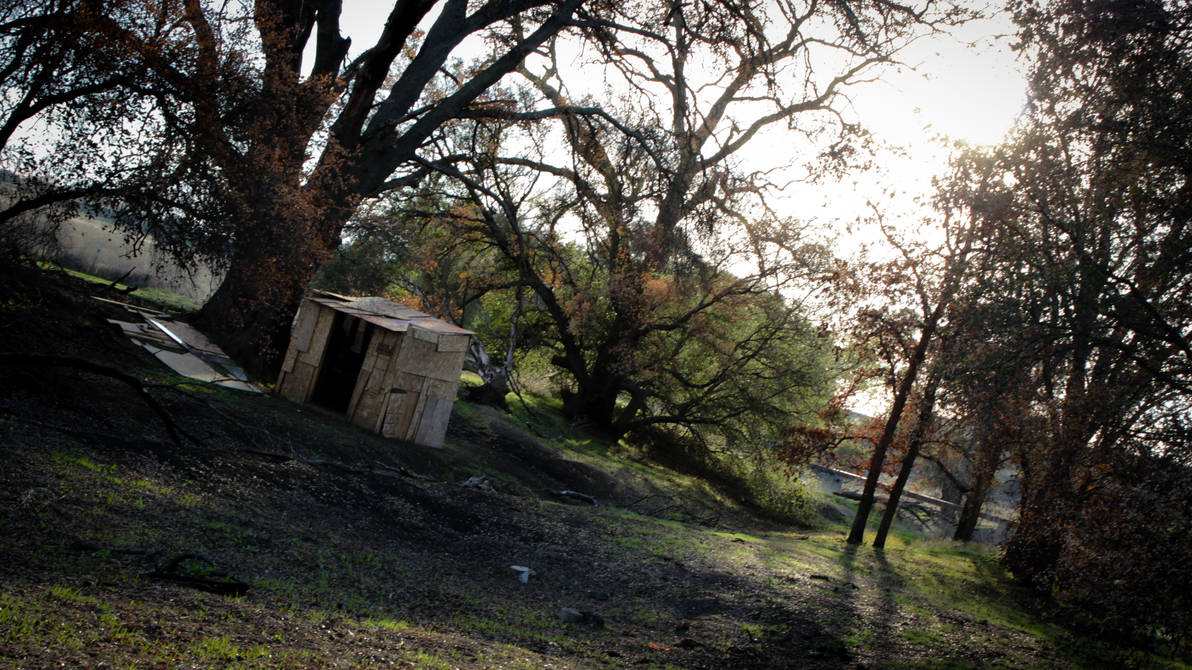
(388, 368)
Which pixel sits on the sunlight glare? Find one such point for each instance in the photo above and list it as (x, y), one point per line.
(964, 86)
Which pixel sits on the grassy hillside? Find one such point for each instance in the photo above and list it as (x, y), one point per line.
(119, 547)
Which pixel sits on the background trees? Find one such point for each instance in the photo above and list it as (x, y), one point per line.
(1085, 218)
(63, 76)
(268, 136)
(921, 285)
(677, 242)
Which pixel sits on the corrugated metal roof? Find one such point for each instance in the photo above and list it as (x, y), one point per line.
(387, 314)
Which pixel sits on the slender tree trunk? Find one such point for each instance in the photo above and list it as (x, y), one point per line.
(857, 533)
(908, 462)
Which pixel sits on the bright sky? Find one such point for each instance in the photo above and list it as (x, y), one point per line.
(964, 86)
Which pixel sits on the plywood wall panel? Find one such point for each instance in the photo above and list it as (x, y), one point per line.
(308, 316)
(438, 388)
(395, 412)
(454, 342)
(432, 425)
(298, 383)
(322, 329)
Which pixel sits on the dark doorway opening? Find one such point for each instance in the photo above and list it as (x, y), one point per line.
(342, 361)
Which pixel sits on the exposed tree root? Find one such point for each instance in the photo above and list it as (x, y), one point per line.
(187, 568)
(11, 359)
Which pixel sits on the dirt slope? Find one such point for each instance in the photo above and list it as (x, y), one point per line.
(350, 563)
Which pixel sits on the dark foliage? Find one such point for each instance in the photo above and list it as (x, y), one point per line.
(1085, 216)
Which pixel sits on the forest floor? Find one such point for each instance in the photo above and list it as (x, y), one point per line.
(274, 536)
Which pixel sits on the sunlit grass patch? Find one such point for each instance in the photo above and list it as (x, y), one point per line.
(82, 475)
(390, 625)
(68, 594)
(165, 299)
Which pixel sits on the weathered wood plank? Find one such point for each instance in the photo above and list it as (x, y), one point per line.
(297, 384)
(432, 426)
(416, 415)
(454, 342)
(397, 413)
(318, 338)
(308, 317)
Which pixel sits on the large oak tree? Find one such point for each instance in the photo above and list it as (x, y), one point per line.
(648, 171)
(272, 135)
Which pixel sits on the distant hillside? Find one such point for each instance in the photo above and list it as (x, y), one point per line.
(90, 243)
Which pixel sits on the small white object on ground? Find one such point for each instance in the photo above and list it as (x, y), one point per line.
(525, 573)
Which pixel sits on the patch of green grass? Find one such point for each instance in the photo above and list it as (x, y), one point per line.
(23, 626)
(752, 632)
(926, 575)
(471, 413)
(173, 302)
(167, 300)
(423, 659)
(81, 461)
(859, 638)
(923, 637)
(68, 594)
(80, 472)
(391, 625)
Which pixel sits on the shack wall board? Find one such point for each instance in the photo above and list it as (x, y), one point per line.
(305, 353)
(423, 357)
(398, 412)
(408, 377)
(367, 408)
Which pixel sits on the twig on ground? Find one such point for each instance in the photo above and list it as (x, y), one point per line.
(204, 578)
(565, 493)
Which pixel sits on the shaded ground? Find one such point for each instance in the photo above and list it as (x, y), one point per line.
(351, 563)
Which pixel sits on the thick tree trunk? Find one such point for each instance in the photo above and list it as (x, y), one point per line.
(949, 491)
(970, 513)
(594, 405)
(251, 313)
(252, 328)
(985, 467)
